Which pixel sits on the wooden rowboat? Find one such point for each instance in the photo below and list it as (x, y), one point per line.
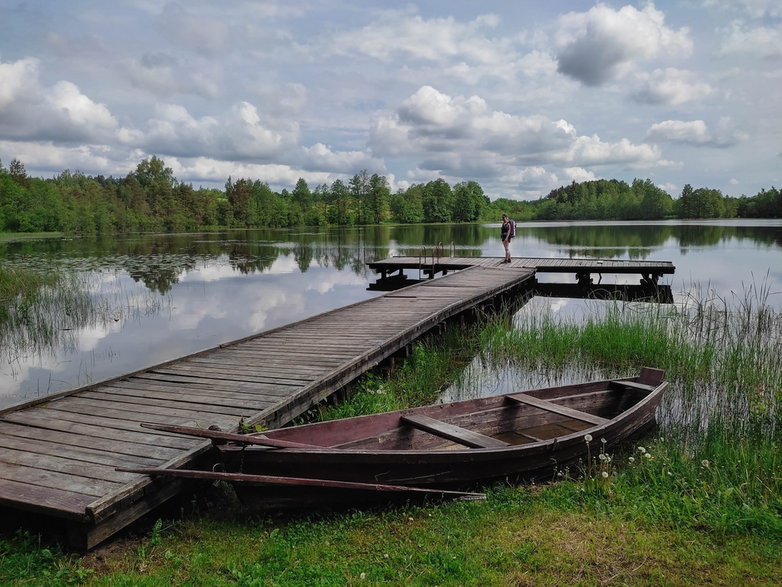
(526, 435)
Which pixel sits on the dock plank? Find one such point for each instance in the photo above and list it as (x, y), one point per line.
(85, 435)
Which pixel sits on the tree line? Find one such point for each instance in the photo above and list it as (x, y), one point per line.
(150, 198)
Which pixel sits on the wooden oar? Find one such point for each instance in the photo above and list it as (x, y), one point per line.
(300, 481)
(231, 436)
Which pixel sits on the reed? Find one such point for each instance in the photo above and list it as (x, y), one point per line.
(714, 461)
(44, 309)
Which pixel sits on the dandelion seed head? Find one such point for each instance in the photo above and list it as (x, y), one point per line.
(641, 449)
(631, 459)
(705, 463)
(587, 438)
(605, 474)
(648, 455)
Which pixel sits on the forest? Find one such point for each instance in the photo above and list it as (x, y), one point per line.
(150, 198)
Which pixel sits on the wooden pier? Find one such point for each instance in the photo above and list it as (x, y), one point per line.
(58, 455)
(583, 269)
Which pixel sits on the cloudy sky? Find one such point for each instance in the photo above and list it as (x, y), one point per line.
(520, 96)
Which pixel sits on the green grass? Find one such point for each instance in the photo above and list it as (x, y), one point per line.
(697, 502)
(430, 368)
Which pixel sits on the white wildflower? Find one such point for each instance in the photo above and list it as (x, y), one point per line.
(587, 438)
(605, 474)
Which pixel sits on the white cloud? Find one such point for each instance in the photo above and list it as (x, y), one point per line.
(454, 133)
(240, 133)
(670, 86)
(17, 80)
(593, 151)
(399, 35)
(79, 109)
(578, 174)
(762, 42)
(603, 44)
(320, 157)
(695, 133)
(61, 112)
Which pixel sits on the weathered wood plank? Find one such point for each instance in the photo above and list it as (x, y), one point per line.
(162, 375)
(89, 455)
(213, 407)
(104, 422)
(60, 481)
(173, 414)
(79, 440)
(227, 388)
(557, 409)
(454, 433)
(241, 400)
(46, 500)
(61, 464)
(264, 367)
(49, 420)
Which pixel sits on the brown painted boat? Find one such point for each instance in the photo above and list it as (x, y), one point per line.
(526, 435)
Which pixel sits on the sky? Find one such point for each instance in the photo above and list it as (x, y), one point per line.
(522, 96)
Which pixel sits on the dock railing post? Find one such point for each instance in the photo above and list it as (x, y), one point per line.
(436, 256)
(421, 261)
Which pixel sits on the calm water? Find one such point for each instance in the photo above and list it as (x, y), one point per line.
(159, 297)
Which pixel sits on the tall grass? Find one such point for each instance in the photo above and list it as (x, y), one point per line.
(41, 310)
(715, 461)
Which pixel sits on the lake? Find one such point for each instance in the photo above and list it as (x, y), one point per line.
(157, 297)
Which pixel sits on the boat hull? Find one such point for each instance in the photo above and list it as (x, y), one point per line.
(545, 437)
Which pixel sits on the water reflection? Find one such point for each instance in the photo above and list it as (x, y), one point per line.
(209, 288)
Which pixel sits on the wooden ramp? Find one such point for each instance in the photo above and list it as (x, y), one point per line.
(59, 455)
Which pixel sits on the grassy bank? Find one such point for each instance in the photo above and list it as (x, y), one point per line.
(699, 501)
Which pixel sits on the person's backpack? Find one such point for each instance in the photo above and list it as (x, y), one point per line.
(512, 228)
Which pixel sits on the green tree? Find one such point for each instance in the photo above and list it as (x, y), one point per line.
(438, 201)
(359, 191)
(158, 183)
(407, 207)
(377, 198)
(468, 201)
(239, 194)
(302, 195)
(655, 202)
(340, 199)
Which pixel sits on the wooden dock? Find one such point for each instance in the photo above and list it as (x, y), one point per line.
(59, 454)
(583, 269)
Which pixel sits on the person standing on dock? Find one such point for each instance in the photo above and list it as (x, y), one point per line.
(507, 232)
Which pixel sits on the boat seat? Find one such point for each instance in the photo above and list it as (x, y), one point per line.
(454, 433)
(633, 385)
(557, 409)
